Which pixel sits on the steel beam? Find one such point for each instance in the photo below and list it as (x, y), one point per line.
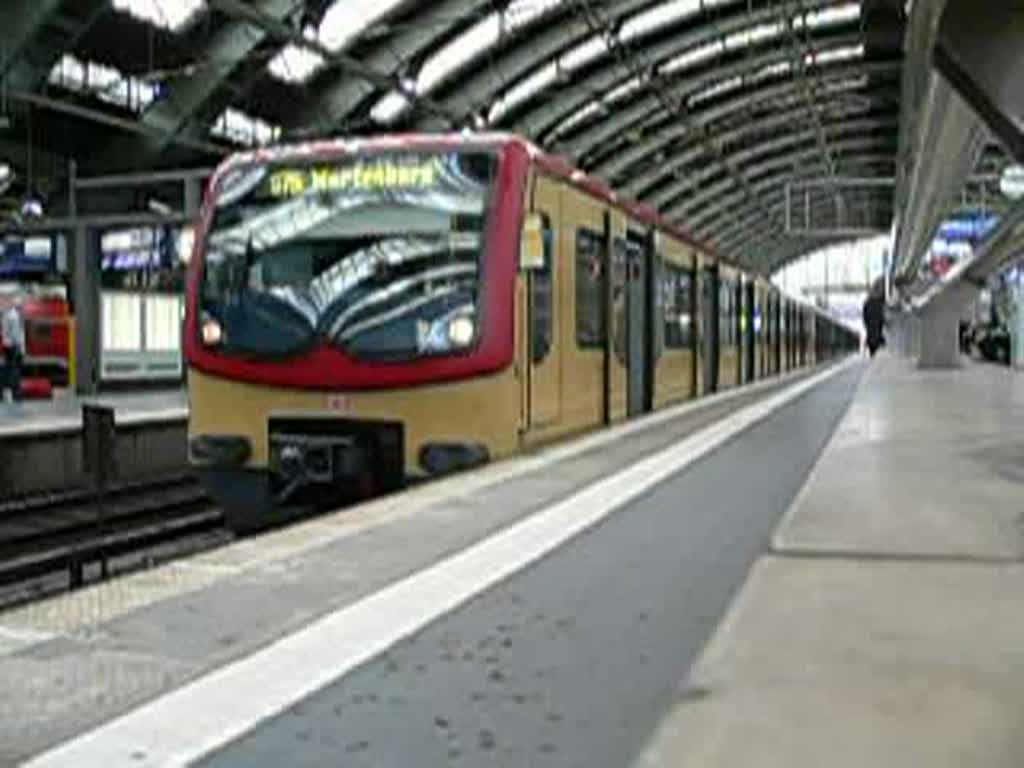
(667, 192)
(673, 206)
(336, 102)
(648, 108)
(190, 92)
(951, 141)
(545, 113)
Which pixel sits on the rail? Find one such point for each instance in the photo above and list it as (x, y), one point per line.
(68, 532)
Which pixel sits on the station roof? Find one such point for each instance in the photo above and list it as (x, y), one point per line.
(744, 120)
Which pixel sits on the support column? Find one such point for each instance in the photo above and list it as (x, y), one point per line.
(86, 295)
(193, 196)
(1017, 328)
(940, 329)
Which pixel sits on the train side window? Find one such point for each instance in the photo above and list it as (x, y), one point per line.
(541, 309)
(590, 289)
(677, 293)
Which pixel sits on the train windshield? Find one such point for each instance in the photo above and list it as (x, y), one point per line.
(380, 255)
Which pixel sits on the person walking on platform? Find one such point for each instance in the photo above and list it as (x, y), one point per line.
(874, 319)
(12, 337)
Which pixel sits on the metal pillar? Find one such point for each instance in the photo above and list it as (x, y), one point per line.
(940, 329)
(85, 291)
(85, 295)
(1017, 328)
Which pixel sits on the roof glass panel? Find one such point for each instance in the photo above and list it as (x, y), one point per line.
(238, 127)
(584, 53)
(623, 90)
(295, 63)
(579, 116)
(720, 88)
(104, 82)
(522, 91)
(657, 17)
(342, 24)
(752, 35)
(465, 48)
(346, 20)
(693, 57)
(166, 14)
(833, 55)
(835, 14)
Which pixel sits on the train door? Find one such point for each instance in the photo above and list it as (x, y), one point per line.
(544, 369)
(638, 292)
(709, 327)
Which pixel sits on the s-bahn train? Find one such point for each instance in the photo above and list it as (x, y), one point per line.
(47, 320)
(360, 312)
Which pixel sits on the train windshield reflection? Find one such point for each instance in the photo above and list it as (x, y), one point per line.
(380, 255)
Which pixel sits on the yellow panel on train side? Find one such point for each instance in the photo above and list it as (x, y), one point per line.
(482, 410)
(545, 372)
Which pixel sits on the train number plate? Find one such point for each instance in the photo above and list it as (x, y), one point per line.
(339, 403)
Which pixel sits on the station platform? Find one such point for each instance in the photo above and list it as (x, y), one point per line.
(821, 570)
(883, 626)
(41, 440)
(64, 411)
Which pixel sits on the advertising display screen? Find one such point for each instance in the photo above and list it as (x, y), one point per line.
(24, 256)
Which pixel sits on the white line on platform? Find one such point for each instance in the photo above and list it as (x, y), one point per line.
(188, 723)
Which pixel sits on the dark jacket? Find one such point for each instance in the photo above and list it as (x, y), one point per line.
(874, 319)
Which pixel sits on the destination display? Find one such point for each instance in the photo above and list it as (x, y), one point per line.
(360, 175)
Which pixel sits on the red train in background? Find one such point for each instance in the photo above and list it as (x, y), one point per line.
(47, 315)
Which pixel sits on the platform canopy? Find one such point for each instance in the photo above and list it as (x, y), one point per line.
(766, 127)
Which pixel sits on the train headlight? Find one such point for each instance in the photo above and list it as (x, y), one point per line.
(212, 332)
(461, 331)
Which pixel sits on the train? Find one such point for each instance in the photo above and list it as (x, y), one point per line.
(48, 321)
(365, 312)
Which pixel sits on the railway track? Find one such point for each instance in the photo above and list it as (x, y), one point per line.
(61, 541)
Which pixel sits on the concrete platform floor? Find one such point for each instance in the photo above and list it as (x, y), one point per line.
(64, 411)
(884, 627)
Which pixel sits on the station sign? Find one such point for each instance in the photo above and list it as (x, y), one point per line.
(357, 175)
(969, 228)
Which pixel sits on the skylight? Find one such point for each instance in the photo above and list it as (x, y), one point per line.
(104, 82)
(166, 14)
(238, 127)
(835, 14)
(523, 91)
(578, 117)
(752, 36)
(718, 89)
(832, 55)
(694, 56)
(295, 64)
(623, 90)
(660, 16)
(642, 24)
(342, 24)
(458, 53)
(584, 53)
